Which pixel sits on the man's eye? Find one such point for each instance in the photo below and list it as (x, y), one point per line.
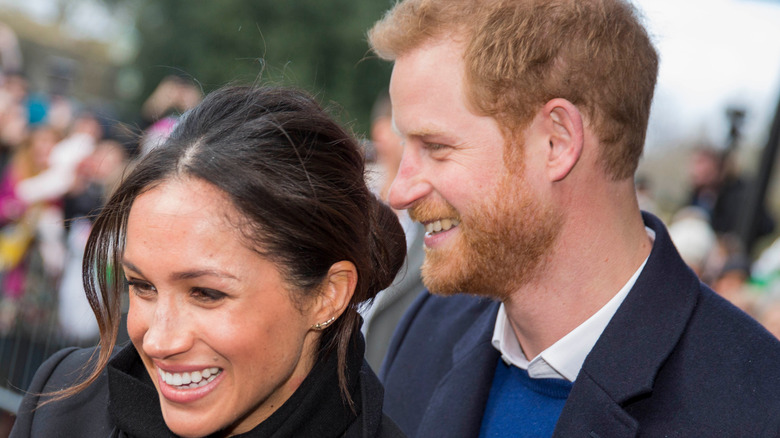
(435, 146)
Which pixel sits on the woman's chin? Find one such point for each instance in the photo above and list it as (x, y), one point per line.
(187, 427)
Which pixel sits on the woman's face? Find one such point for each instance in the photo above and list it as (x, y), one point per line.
(205, 308)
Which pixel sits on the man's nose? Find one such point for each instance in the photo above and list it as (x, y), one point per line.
(410, 183)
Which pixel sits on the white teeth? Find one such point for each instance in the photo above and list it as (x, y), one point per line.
(441, 225)
(194, 379)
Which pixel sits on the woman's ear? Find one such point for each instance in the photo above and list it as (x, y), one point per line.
(336, 293)
(565, 135)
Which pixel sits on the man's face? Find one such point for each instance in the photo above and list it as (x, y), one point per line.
(486, 230)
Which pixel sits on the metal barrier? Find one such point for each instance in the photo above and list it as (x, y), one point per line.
(23, 349)
(9, 401)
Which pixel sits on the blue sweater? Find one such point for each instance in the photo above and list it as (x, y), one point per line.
(519, 406)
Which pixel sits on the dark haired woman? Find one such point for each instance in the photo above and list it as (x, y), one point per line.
(248, 241)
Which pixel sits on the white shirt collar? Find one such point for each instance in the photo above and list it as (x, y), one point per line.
(563, 359)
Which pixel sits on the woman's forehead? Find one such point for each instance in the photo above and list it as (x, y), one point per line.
(190, 204)
(185, 223)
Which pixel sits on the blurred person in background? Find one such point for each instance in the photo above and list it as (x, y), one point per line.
(49, 187)
(64, 160)
(172, 97)
(97, 176)
(10, 54)
(732, 282)
(644, 195)
(769, 313)
(26, 235)
(13, 114)
(718, 189)
(765, 283)
(693, 237)
(381, 319)
(705, 168)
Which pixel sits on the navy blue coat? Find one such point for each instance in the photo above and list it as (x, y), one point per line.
(676, 360)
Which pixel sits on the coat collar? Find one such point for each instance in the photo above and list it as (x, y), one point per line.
(625, 361)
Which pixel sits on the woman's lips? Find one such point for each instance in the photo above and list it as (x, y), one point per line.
(187, 387)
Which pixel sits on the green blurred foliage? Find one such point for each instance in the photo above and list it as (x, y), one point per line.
(316, 45)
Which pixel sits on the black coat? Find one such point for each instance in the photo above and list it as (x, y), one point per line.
(676, 360)
(123, 403)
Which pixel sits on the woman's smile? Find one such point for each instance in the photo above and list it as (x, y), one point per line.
(188, 387)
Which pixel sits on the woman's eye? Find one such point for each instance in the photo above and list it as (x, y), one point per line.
(207, 295)
(141, 288)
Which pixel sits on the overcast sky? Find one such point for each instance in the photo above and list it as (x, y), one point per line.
(714, 53)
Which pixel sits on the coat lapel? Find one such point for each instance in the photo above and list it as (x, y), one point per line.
(644, 331)
(457, 405)
(590, 412)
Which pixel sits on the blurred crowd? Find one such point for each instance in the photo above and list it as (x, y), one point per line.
(60, 159)
(707, 232)
(58, 164)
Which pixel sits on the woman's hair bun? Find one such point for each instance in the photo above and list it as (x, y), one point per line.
(387, 246)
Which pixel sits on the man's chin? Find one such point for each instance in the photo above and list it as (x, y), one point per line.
(447, 279)
(441, 274)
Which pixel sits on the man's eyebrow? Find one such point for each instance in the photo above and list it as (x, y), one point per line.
(431, 135)
(417, 133)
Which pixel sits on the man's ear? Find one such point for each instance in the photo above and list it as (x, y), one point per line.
(336, 293)
(564, 131)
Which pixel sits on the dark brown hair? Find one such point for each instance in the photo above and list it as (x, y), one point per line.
(296, 177)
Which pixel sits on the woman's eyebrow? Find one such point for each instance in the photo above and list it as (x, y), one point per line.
(126, 264)
(184, 275)
(202, 273)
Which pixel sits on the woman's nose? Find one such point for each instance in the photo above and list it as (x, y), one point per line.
(168, 332)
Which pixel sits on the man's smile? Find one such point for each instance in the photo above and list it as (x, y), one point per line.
(437, 226)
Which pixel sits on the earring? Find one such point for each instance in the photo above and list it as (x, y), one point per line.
(322, 325)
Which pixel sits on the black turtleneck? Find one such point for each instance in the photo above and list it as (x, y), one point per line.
(316, 408)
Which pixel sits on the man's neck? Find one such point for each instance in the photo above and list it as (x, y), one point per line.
(594, 256)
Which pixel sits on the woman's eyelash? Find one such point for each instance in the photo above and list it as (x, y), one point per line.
(140, 286)
(201, 294)
(208, 294)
